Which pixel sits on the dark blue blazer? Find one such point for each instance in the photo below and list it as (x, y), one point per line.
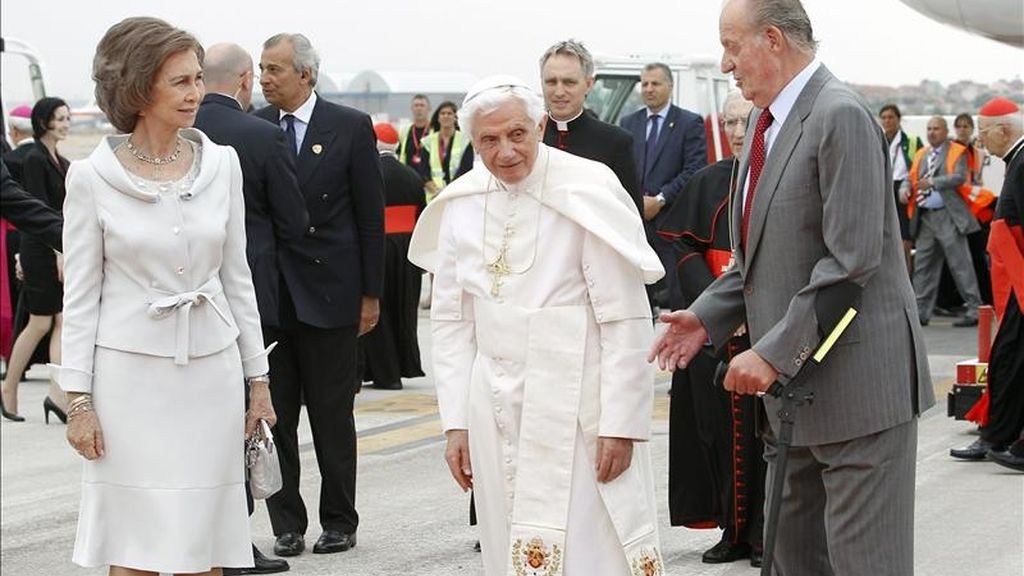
(275, 212)
(681, 150)
(340, 258)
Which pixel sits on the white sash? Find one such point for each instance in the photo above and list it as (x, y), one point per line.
(552, 343)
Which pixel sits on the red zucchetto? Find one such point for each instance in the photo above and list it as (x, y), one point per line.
(998, 107)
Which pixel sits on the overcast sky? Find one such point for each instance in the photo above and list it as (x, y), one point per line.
(870, 41)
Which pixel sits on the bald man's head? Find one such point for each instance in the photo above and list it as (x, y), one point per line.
(227, 69)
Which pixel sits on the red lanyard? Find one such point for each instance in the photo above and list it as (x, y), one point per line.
(441, 145)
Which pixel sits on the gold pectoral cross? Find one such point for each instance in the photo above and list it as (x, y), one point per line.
(498, 270)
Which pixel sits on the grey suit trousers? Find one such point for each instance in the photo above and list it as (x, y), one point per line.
(848, 507)
(938, 236)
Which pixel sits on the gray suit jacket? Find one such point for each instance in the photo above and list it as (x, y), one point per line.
(948, 185)
(823, 214)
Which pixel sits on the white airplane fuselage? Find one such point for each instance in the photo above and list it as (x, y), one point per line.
(1000, 20)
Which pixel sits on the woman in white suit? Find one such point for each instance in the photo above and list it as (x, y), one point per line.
(161, 326)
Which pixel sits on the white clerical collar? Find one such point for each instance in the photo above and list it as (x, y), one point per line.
(783, 103)
(304, 112)
(563, 125)
(663, 112)
(1014, 150)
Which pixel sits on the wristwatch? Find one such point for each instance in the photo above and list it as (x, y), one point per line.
(661, 199)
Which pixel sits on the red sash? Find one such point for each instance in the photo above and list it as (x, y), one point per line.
(1006, 249)
(718, 261)
(400, 219)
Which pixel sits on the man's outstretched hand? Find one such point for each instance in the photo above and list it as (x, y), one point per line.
(682, 338)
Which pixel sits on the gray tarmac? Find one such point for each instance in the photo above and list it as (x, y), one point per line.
(969, 516)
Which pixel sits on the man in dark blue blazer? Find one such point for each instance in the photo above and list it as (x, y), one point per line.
(330, 288)
(669, 146)
(275, 211)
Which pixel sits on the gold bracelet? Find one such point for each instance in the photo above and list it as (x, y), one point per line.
(263, 378)
(79, 400)
(80, 408)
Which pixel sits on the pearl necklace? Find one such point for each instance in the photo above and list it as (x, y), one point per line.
(155, 160)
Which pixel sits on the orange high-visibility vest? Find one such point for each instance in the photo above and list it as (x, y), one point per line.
(980, 200)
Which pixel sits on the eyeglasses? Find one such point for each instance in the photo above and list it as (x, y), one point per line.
(734, 122)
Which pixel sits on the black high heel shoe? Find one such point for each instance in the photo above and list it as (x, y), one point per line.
(51, 406)
(10, 415)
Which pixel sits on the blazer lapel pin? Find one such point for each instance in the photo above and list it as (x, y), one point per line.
(671, 124)
(317, 149)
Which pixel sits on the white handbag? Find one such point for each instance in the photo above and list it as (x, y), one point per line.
(262, 463)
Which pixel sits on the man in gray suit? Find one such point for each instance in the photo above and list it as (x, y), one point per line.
(943, 224)
(813, 210)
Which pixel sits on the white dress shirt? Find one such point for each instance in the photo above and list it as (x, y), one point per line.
(780, 108)
(302, 116)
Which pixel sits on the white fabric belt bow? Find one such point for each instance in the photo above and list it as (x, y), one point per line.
(181, 306)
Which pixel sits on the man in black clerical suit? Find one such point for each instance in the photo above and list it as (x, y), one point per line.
(567, 74)
(275, 211)
(330, 288)
(716, 473)
(20, 126)
(391, 351)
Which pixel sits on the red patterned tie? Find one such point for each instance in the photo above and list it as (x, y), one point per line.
(757, 157)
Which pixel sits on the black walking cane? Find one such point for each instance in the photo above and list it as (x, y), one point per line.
(835, 309)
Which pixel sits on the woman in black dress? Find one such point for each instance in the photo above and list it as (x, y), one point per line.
(44, 172)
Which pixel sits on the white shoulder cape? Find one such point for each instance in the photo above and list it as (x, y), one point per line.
(584, 191)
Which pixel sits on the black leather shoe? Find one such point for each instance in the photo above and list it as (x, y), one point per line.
(262, 565)
(975, 451)
(332, 541)
(289, 544)
(726, 552)
(755, 557)
(388, 385)
(966, 322)
(1007, 459)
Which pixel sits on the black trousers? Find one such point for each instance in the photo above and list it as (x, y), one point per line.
(317, 366)
(1006, 379)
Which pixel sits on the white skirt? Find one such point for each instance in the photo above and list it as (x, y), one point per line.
(169, 494)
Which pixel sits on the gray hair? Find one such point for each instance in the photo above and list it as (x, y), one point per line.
(493, 98)
(941, 121)
(788, 16)
(224, 63)
(664, 70)
(573, 48)
(731, 97)
(1013, 120)
(21, 124)
(306, 57)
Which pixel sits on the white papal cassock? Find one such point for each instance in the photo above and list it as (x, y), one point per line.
(540, 327)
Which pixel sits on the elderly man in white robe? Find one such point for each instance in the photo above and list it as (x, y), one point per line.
(540, 329)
